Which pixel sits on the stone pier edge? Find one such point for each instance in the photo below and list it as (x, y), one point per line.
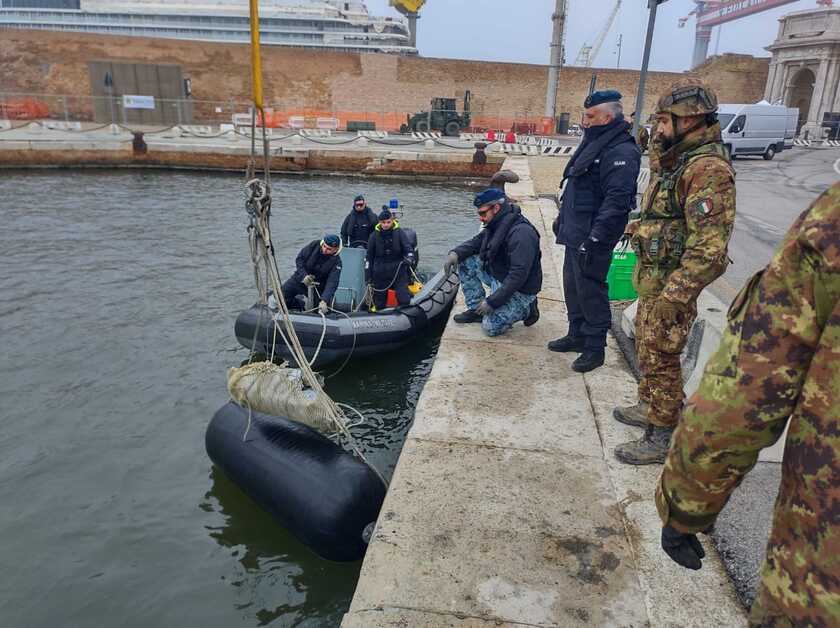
(439, 557)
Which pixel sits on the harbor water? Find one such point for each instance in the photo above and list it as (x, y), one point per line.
(118, 293)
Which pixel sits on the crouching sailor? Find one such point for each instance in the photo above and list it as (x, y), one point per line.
(318, 265)
(505, 257)
(389, 257)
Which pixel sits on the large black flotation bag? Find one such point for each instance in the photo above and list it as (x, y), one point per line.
(318, 491)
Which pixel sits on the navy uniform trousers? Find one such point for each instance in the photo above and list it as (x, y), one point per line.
(586, 292)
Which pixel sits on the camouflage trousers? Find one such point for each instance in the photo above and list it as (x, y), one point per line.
(473, 281)
(659, 344)
(765, 612)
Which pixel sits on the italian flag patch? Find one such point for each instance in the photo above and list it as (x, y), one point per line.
(704, 207)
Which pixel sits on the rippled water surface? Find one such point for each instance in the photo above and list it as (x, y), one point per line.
(118, 292)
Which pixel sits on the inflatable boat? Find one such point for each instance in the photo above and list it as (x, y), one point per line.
(315, 489)
(350, 332)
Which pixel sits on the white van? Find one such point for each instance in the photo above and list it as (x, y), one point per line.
(760, 129)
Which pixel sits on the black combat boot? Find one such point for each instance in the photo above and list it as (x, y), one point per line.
(633, 415)
(467, 316)
(589, 360)
(567, 344)
(649, 449)
(533, 314)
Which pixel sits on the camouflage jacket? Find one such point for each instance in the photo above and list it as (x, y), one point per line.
(643, 138)
(778, 364)
(687, 217)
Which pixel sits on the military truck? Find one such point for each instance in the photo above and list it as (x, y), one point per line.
(442, 116)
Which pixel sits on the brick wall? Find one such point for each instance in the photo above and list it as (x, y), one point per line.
(56, 63)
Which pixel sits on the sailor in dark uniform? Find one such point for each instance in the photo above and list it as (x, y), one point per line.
(358, 225)
(319, 265)
(389, 257)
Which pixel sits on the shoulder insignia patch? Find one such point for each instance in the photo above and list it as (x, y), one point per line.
(704, 206)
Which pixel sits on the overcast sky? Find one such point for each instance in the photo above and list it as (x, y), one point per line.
(501, 30)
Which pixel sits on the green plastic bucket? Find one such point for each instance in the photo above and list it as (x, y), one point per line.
(620, 275)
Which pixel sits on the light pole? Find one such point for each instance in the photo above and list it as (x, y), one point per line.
(618, 61)
(558, 19)
(640, 95)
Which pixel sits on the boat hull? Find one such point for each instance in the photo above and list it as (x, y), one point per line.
(358, 334)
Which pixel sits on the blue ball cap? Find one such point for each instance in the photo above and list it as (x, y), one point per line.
(332, 240)
(600, 97)
(490, 195)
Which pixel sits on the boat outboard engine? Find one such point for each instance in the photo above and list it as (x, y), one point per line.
(411, 236)
(397, 210)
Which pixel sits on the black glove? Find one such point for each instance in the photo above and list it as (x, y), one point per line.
(587, 245)
(683, 549)
(451, 262)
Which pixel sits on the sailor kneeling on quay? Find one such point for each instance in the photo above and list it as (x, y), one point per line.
(504, 257)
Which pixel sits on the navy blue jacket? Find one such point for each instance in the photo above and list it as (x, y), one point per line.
(326, 268)
(509, 249)
(357, 227)
(386, 249)
(600, 186)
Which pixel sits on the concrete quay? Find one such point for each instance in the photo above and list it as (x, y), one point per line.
(507, 506)
(210, 148)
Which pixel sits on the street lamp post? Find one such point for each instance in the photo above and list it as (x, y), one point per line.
(640, 95)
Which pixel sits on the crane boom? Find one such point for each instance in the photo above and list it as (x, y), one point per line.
(586, 55)
(596, 47)
(410, 9)
(407, 7)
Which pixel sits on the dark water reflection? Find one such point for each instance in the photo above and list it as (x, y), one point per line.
(118, 293)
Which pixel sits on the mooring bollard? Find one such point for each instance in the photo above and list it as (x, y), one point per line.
(138, 144)
(479, 156)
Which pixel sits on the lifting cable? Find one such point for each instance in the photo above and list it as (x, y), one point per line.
(258, 206)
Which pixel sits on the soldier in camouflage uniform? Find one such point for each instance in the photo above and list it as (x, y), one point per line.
(778, 365)
(681, 239)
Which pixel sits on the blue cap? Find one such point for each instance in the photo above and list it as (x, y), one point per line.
(490, 195)
(385, 214)
(332, 240)
(600, 97)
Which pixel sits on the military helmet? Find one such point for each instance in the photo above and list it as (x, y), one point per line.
(694, 99)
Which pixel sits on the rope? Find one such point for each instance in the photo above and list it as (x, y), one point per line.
(258, 206)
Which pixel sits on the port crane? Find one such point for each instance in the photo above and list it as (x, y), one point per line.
(711, 13)
(587, 54)
(411, 10)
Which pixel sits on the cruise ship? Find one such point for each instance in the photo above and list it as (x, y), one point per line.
(321, 24)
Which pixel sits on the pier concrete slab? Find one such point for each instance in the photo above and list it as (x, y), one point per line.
(410, 618)
(519, 536)
(488, 394)
(552, 317)
(506, 505)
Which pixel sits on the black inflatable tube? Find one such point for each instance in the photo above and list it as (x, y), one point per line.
(315, 489)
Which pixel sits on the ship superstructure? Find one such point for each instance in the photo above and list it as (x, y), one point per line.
(322, 24)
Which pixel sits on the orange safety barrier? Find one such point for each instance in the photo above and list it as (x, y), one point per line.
(24, 109)
(391, 121)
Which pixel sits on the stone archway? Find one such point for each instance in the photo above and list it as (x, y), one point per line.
(799, 96)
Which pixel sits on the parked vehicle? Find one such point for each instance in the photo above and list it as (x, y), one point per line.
(759, 129)
(443, 116)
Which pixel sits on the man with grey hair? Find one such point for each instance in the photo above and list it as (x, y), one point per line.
(599, 190)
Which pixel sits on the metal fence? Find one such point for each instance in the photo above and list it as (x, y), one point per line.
(105, 110)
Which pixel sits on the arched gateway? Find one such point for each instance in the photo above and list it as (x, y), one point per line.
(805, 69)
